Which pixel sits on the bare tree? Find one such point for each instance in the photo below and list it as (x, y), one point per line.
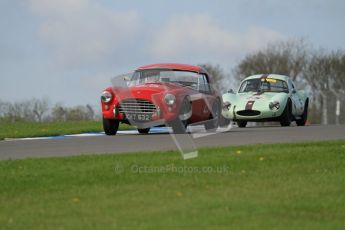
(39, 108)
(19, 111)
(338, 81)
(217, 74)
(58, 113)
(77, 113)
(321, 75)
(3, 108)
(287, 58)
(90, 112)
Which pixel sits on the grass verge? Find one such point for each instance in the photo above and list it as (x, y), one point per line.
(281, 186)
(34, 129)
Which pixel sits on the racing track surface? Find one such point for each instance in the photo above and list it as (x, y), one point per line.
(99, 144)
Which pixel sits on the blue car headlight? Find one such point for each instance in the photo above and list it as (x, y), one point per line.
(226, 105)
(274, 105)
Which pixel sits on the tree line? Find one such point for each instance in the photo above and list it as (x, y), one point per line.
(39, 110)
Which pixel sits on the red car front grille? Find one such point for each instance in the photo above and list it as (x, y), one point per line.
(136, 106)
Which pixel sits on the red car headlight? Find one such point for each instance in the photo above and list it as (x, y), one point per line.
(169, 99)
(106, 97)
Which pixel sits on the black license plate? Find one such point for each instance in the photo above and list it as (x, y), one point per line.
(139, 117)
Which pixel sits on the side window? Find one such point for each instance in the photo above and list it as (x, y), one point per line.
(203, 84)
(291, 86)
(285, 86)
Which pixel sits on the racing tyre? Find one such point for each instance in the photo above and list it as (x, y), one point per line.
(285, 118)
(304, 117)
(242, 124)
(110, 126)
(144, 131)
(213, 123)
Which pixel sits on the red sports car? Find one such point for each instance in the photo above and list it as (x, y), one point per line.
(161, 95)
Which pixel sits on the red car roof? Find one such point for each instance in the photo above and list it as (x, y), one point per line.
(174, 66)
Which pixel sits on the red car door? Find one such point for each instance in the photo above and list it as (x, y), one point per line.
(202, 100)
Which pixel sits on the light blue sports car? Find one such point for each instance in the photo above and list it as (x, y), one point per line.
(266, 97)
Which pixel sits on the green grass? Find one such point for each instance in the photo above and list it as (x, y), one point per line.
(282, 186)
(34, 129)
